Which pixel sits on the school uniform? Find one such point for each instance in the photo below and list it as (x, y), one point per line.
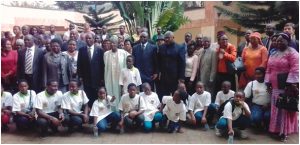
(129, 76)
(197, 103)
(23, 103)
(48, 104)
(239, 120)
(173, 112)
(102, 109)
(127, 104)
(260, 98)
(152, 114)
(74, 102)
(6, 100)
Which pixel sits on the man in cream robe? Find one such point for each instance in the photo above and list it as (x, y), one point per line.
(114, 61)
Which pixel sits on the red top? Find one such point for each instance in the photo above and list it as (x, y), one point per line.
(230, 55)
(9, 63)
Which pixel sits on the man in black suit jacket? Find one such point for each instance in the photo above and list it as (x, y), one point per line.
(33, 73)
(171, 58)
(145, 59)
(90, 68)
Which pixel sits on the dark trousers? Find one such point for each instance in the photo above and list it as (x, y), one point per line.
(113, 118)
(221, 77)
(167, 87)
(135, 122)
(189, 88)
(242, 123)
(23, 122)
(91, 93)
(43, 123)
(75, 120)
(173, 126)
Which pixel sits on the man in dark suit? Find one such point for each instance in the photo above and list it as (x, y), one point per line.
(73, 36)
(90, 68)
(270, 31)
(30, 64)
(188, 37)
(105, 34)
(171, 58)
(145, 59)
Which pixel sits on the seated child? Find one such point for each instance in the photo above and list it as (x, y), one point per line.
(152, 114)
(132, 108)
(102, 113)
(198, 105)
(174, 111)
(236, 114)
(6, 107)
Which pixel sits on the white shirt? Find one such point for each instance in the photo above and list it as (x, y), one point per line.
(91, 49)
(104, 36)
(74, 102)
(174, 112)
(31, 50)
(259, 91)
(129, 76)
(75, 57)
(23, 102)
(152, 103)
(101, 108)
(198, 102)
(127, 104)
(6, 99)
(48, 104)
(191, 65)
(221, 97)
(227, 112)
(145, 45)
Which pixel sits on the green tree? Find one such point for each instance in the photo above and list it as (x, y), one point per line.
(251, 17)
(95, 20)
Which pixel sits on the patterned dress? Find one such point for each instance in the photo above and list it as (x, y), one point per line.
(282, 121)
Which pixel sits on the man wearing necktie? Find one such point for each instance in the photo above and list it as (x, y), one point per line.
(30, 64)
(90, 67)
(270, 31)
(145, 59)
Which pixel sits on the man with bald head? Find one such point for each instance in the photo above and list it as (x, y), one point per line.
(53, 35)
(171, 58)
(30, 64)
(145, 59)
(90, 67)
(73, 36)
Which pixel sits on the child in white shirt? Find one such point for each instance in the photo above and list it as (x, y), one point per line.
(75, 102)
(48, 107)
(129, 75)
(260, 103)
(102, 112)
(174, 111)
(198, 105)
(23, 106)
(152, 114)
(6, 108)
(236, 114)
(131, 107)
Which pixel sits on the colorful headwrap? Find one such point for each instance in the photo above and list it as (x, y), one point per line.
(257, 36)
(220, 34)
(285, 36)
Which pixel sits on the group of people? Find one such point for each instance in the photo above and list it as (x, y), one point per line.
(121, 82)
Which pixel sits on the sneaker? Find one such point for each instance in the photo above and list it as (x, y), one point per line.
(283, 138)
(243, 134)
(218, 133)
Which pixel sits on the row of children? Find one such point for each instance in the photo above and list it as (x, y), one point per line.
(51, 108)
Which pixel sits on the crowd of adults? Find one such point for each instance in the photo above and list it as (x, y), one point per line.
(207, 71)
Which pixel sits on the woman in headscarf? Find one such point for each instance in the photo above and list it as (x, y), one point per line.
(255, 55)
(284, 60)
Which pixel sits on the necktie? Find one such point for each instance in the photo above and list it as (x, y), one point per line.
(268, 43)
(89, 53)
(28, 63)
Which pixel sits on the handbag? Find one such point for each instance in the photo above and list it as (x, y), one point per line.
(287, 102)
(281, 80)
(239, 64)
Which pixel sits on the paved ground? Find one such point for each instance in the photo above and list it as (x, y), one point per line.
(190, 136)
